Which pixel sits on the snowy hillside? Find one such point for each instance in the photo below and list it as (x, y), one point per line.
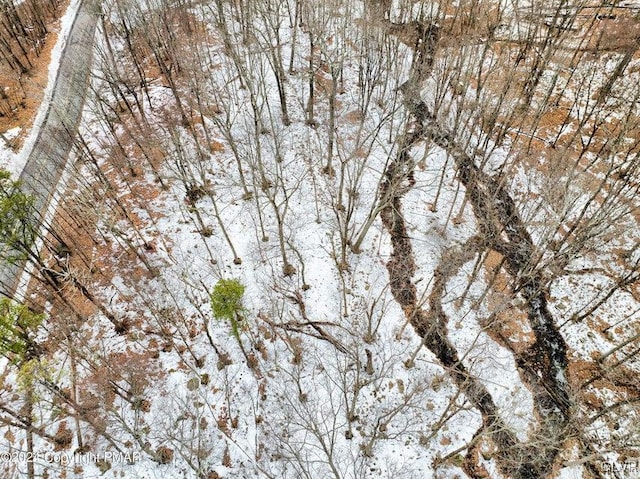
(327, 239)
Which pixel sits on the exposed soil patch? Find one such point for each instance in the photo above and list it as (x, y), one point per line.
(25, 95)
(505, 324)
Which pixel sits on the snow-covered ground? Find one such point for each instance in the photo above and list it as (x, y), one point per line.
(326, 378)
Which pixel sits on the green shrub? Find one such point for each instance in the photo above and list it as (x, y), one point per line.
(226, 302)
(18, 228)
(18, 327)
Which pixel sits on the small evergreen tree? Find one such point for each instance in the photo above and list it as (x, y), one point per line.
(17, 226)
(18, 328)
(226, 302)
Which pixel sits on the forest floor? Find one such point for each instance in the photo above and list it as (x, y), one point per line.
(34, 83)
(322, 379)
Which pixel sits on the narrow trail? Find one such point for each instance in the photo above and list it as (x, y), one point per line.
(543, 366)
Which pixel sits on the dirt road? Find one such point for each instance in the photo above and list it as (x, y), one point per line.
(47, 160)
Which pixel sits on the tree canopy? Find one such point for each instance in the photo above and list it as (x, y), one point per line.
(17, 228)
